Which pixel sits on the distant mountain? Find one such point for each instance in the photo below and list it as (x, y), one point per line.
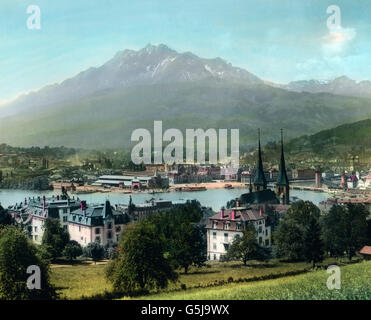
(150, 65)
(343, 86)
(100, 107)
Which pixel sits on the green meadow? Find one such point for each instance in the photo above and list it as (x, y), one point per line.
(232, 280)
(355, 285)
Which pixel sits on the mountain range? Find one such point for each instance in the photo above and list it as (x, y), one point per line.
(343, 86)
(100, 107)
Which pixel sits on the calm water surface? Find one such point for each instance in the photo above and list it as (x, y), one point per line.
(215, 198)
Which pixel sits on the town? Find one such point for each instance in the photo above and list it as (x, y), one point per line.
(261, 210)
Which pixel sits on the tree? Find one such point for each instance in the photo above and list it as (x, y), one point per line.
(332, 226)
(189, 247)
(292, 230)
(313, 244)
(72, 250)
(289, 239)
(95, 251)
(55, 238)
(5, 217)
(345, 229)
(17, 253)
(185, 241)
(303, 211)
(246, 247)
(141, 262)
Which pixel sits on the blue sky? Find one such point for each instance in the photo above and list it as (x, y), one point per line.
(278, 41)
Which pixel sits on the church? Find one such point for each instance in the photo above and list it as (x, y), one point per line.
(259, 193)
(254, 208)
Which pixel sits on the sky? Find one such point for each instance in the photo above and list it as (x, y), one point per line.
(277, 40)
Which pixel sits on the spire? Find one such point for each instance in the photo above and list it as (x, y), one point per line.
(259, 179)
(282, 175)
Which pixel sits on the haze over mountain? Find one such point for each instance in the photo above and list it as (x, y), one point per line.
(100, 107)
(343, 86)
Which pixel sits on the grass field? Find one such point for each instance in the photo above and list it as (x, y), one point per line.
(355, 285)
(88, 280)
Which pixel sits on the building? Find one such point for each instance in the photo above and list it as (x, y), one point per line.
(96, 223)
(259, 193)
(366, 252)
(303, 174)
(252, 208)
(132, 182)
(225, 226)
(33, 212)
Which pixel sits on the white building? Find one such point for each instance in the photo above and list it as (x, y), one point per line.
(96, 223)
(33, 212)
(225, 226)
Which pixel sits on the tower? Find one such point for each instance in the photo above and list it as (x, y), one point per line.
(260, 183)
(282, 185)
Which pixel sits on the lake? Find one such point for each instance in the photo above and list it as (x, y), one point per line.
(214, 198)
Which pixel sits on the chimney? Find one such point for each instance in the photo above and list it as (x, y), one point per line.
(237, 203)
(233, 215)
(222, 213)
(57, 197)
(260, 212)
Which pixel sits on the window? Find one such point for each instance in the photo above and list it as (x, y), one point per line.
(267, 242)
(214, 246)
(260, 240)
(225, 236)
(214, 256)
(64, 219)
(97, 239)
(118, 229)
(109, 235)
(117, 237)
(266, 232)
(109, 226)
(238, 226)
(97, 230)
(80, 229)
(35, 229)
(226, 246)
(65, 210)
(260, 229)
(36, 237)
(214, 235)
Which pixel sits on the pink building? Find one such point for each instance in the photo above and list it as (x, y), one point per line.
(96, 223)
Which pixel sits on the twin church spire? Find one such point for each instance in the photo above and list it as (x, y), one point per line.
(282, 185)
